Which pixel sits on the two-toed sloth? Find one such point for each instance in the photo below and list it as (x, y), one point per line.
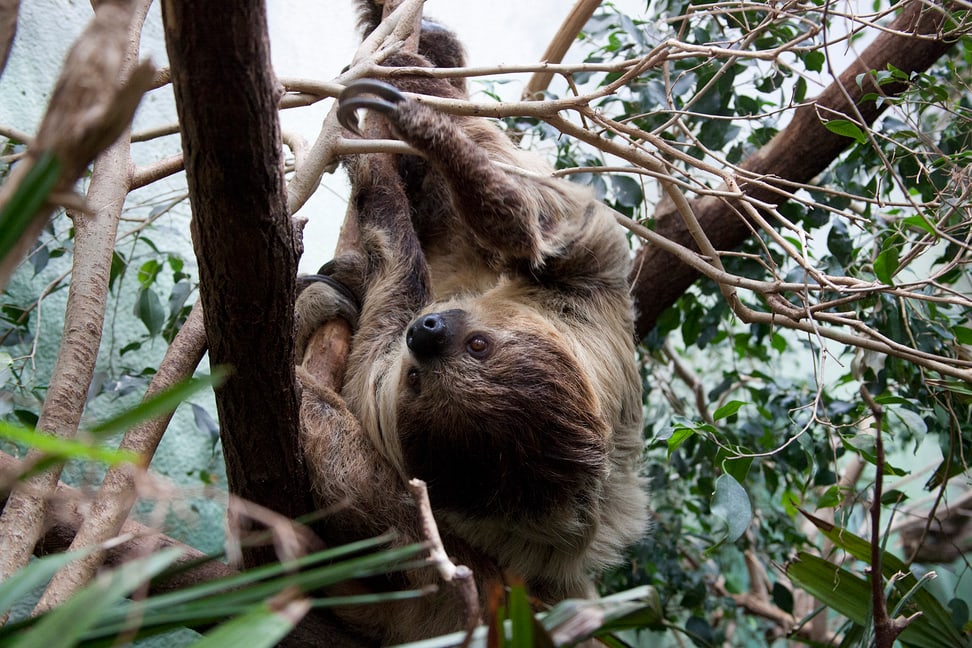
(493, 357)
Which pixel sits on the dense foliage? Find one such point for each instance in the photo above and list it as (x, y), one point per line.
(749, 424)
(831, 346)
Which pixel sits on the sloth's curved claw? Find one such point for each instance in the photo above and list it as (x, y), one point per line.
(349, 102)
(306, 281)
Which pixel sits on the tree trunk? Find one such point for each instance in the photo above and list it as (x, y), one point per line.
(247, 249)
(799, 152)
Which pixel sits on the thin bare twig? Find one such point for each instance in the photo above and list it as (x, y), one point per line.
(886, 629)
(459, 576)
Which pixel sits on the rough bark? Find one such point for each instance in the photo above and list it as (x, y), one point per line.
(8, 28)
(799, 152)
(21, 524)
(226, 97)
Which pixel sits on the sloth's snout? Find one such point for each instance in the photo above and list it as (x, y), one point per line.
(431, 335)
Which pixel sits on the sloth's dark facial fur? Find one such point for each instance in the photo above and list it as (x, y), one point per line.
(498, 419)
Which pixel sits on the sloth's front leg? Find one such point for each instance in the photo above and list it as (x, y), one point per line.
(511, 214)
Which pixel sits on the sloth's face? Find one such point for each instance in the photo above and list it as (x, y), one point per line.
(494, 412)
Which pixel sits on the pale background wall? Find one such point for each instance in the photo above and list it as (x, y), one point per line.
(309, 39)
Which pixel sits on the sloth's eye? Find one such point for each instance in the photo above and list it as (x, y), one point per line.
(478, 346)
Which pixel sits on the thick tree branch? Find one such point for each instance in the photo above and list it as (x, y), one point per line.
(579, 14)
(798, 153)
(8, 28)
(108, 50)
(92, 103)
(246, 246)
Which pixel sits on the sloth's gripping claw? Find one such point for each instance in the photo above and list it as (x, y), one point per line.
(350, 101)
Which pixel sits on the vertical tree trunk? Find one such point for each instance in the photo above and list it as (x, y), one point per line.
(226, 96)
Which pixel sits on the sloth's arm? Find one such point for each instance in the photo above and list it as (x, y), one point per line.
(514, 215)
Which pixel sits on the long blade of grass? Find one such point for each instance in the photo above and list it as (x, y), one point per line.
(57, 449)
(162, 403)
(217, 600)
(909, 591)
(262, 627)
(35, 574)
(65, 624)
(36, 186)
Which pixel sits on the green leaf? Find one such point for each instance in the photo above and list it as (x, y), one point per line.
(148, 308)
(67, 623)
(678, 437)
(830, 498)
(837, 588)
(27, 198)
(262, 627)
(814, 60)
(933, 628)
(886, 264)
(727, 410)
(783, 597)
(148, 272)
(963, 334)
(56, 448)
(217, 600)
(521, 617)
(627, 190)
(35, 574)
(731, 503)
(160, 404)
(846, 129)
(919, 221)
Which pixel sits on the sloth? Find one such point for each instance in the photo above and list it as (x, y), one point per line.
(492, 357)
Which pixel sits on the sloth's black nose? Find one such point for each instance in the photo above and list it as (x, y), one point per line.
(430, 335)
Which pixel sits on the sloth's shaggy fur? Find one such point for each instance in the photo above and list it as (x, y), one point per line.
(493, 357)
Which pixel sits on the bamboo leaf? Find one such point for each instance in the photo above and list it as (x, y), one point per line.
(65, 624)
(162, 403)
(34, 575)
(60, 449)
(935, 623)
(261, 627)
(18, 213)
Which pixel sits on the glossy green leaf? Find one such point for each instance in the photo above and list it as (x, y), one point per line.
(727, 410)
(886, 264)
(149, 309)
(846, 129)
(731, 503)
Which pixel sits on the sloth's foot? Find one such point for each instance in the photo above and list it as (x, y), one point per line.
(350, 101)
(320, 299)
